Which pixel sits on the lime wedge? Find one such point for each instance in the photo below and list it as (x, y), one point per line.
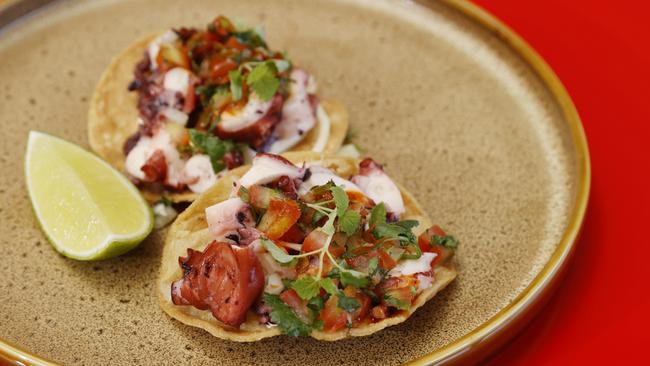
(87, 209)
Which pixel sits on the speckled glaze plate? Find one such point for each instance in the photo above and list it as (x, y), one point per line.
(464, 114)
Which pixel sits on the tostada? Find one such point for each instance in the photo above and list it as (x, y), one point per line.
(302, 244)
(176, 110)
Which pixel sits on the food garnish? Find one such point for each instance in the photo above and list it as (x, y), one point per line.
(87, 209)
(307, 250)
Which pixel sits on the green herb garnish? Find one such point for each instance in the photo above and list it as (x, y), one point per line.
(212, 146)
(235, 84)
(263, 80)
(282, 315)
(447, 241)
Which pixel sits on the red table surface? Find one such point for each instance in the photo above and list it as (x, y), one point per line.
(600, 314)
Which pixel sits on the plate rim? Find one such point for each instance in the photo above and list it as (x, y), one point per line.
(505, 324)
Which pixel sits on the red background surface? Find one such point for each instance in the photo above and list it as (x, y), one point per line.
(600, 314)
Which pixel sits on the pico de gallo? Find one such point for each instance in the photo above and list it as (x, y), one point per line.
(304, 249)
(210, 99)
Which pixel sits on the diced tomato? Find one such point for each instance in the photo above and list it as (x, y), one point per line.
(220, 68)
(385, 260)
(334, 318)
(314, 241)
(279, 218)
(294, 234)
(380, 311)
(260, 196)
(299, 306)
(190, 99)
(336, 250)
(171, 56)
(223, 26)
(233, 42)
(399, 298)
(399, 292)
(359, 262)
(424, 240)
(363, 299)
(443, 254)
(356, 196)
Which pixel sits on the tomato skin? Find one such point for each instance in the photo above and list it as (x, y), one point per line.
(385, 260)
(190, 99)
(358, 262)
(336, 250)
(424, 240)
(314, 241)
(299, 306)
(380, 312)
(233, 42)
(294, 234)
(220, 69)
(279, 218)
(333, 317)
(363, 299)
(222, 26)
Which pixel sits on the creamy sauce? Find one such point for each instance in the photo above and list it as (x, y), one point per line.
(298, 116)
(412, 266)
(237, 119)
(380, 188)
(174, 115)
(320, 176)
(267, 169)
(198, 173)
(154, 47)
(177, 80)
(222, 217)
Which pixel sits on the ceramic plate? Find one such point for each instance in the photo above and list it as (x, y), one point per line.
(464, 114)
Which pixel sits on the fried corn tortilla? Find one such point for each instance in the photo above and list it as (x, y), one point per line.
(113, 115)
(190, 230)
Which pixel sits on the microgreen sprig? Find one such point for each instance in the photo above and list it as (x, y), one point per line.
(307, 287)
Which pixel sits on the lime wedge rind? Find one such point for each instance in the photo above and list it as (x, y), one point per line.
(113, 244)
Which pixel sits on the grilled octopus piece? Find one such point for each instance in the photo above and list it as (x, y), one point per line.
(223, 279)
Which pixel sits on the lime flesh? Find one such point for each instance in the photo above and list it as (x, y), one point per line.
(87, 209)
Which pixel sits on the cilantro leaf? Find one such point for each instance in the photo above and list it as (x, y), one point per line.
(398, 231)
(340, 199)
(317, 190)
(349, 304)
(354, 278)
(349, 222)
(412, 251)
(373, 264)
(263, 81)
(328, 228)
(235, 84)
(306, 287)
(447, 241)
(285, 318)
(328, 285)
(276, 252)
(316, 304)
(408, 224)
(212, 146)
(316, 218)
(378, 215)
(250, 37)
